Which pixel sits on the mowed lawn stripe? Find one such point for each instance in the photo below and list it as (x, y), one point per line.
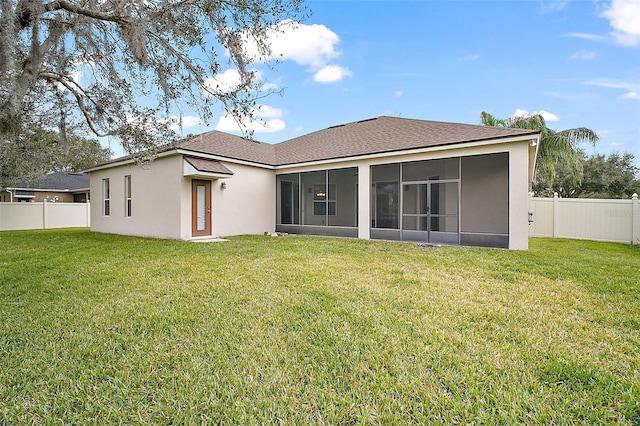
(98, 328)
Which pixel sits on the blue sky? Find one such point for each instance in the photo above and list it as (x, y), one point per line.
(577, 62)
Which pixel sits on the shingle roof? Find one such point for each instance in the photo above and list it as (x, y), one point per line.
(211, 166)
(372, 136)
(230, 146)
(58, 181)
(384, 134)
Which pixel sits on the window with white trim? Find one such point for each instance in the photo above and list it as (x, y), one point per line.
(106, 198)
(127, 196)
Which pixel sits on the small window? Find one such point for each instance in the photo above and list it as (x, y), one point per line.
(127, 196)
(105, 197)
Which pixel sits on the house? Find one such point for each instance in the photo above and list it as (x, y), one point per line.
(381, 178)
(60, 187)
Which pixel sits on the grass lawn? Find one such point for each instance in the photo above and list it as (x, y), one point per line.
(103, 329)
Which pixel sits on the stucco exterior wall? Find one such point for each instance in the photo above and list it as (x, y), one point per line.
(246, 206)
(156, 193)
(519, 185)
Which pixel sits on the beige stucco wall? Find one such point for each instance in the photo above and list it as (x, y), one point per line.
(246, 206)
(519, 186)
(161, 200)
(156, 190)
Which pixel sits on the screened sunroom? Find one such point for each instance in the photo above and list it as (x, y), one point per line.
(458, 200)
(323, 202)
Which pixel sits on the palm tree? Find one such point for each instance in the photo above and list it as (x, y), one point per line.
(558, 149)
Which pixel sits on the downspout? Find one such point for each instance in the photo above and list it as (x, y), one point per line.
(10, 195)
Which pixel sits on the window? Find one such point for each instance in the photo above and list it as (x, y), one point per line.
(324, 202)
(127, 196)
(105, 197)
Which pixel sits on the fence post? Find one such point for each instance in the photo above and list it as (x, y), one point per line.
(556, 215)
(635, 220)
(88, 213)
(45, 213)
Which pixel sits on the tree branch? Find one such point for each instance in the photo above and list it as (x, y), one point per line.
(79, 100)
(90, 13)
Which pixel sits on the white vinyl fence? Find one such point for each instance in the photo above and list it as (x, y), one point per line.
(586, 219)
(16, 216)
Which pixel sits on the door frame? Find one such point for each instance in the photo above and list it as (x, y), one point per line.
(428, 235)
(195, 232)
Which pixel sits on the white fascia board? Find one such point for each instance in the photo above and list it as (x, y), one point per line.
(123, 162)
(126, 161)
(450, 147)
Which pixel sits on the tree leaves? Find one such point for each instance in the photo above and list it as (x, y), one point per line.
(123, 68)
(557, 149)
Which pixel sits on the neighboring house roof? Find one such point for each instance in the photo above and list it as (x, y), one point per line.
(373, 136)
(56, 182)
(210, 166)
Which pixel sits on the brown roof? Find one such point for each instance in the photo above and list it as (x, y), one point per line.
(211, 166)
(372, 136)
(230, 146)
(384, 134)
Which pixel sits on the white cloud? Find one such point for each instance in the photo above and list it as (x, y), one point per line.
(631, 95)
(398, 93)
(224, 82)
(187, 121)
(585, 36)
(548, 116)
(583, 55)
(314, 46)
(632, 88)
(554, 5)
(229, 80)
(267, 111)
(331, 74)
(624, 17)
(267, 120)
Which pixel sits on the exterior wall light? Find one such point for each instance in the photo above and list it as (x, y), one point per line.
(223, 185)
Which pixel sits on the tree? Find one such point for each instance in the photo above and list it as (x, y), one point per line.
(615, 176)
(42, 152)
(143, 62)
(558, 149)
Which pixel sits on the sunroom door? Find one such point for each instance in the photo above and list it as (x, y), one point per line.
(430, 212)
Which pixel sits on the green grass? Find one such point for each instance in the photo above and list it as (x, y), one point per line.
(104, 329)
